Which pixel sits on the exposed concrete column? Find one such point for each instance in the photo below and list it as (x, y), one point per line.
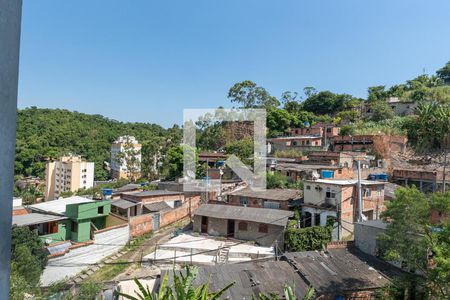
(10, 18)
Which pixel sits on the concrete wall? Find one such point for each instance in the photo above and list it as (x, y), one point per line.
(365, 238)
(219, 227)
(88, 210)
(255, 202)
(83, 233)
(63, 233)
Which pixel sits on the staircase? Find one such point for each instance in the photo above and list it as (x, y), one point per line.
(222, 255)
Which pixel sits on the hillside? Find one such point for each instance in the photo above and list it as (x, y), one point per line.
(49, 133)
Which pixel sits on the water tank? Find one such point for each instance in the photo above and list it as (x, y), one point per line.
(383, 177)
(107, 193)
(220, 163)
(327, 174)
(372, 176)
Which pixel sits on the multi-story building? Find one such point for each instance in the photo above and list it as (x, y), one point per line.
(126, 158)
(338, 199)
(69, 173)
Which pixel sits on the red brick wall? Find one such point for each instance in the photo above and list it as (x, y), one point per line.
(142, 224)
(255, 202)
(21, 211)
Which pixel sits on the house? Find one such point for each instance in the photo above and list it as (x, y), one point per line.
(301, 143)
(403, 107)
(319, 129)
(325, 199)
(76, 218)
(340, 273)
(136, 203)
(424, 179)
(284, 199)
(298, 172)
(50, 228)
(130, 187)
(334, 158)
(68, 174)
(381, 144)
(264, 226)
(126, 157)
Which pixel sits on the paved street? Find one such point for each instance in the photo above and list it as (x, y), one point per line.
(105, 244)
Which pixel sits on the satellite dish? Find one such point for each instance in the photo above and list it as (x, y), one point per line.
(191, 174)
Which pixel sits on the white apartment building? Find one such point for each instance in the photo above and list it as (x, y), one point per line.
(69, 173)
(129, 165)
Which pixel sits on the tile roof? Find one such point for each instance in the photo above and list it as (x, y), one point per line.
(59, 206)
(34, 218)
(270, 194)
(251, 214)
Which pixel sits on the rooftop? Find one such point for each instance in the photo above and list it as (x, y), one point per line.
(298, 137)
(122, 203)
(346, 181)
(270, 194)
(128, 187)
(303, 167)
(156, 193)
(59, 206)
(35, 218)
(251, 214)
(158, 206)
(339, 270)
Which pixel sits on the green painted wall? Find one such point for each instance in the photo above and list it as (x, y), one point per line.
(83, 233)
(88, 210)
(63, 233)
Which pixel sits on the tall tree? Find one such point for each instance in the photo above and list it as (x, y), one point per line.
(444, 73)
(249, 95)
(421, 246)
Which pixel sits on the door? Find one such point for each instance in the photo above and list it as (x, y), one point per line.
(155, 222)
(230, 229)
(204, 226)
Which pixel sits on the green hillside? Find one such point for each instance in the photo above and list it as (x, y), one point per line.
(49, 133)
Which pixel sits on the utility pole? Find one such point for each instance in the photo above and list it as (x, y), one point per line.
(10, 18)
(359, 192)
(445, 165)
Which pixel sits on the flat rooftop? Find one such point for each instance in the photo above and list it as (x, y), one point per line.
(259, 215)
(59, 206)
(345, 181)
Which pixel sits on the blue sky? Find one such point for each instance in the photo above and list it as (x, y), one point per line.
(145, 60)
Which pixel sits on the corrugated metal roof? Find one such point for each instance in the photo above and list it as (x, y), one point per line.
(157, 206)
(250, 279)
(340, 270)
(259, 215)
(34, 218)
(122, 203)
(59, 206)
(156, 193)
(270, 194)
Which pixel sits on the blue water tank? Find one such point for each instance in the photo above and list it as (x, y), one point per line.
(383, 177)
(327, 174)
(220, 163)
(107, 192)
(372, 176)
(144, 183)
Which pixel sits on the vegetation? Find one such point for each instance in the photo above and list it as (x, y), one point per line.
(182, 289)
(288, 294)
(44, 134)
(28, 259)
(277, 180)
(423, 247)
(307, 239)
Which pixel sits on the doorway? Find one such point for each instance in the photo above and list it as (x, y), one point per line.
(230, 229)
(204, 228)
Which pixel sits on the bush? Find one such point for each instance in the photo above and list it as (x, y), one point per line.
(307, 239)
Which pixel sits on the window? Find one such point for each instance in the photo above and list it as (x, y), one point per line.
(317, 219)
(330, 193)
(243, 226)
(294, 143)
(263, 228)
(100, 210)
(340, 171)
(271, 204)
(243, 200)
(328, 130)
(379, 191)
(308, 187)
(367, 192)
(74, 227)
(177, 203)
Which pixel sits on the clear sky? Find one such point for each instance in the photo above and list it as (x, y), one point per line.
(143, 60)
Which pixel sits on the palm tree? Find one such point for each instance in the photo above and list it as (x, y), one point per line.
(183, 289)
